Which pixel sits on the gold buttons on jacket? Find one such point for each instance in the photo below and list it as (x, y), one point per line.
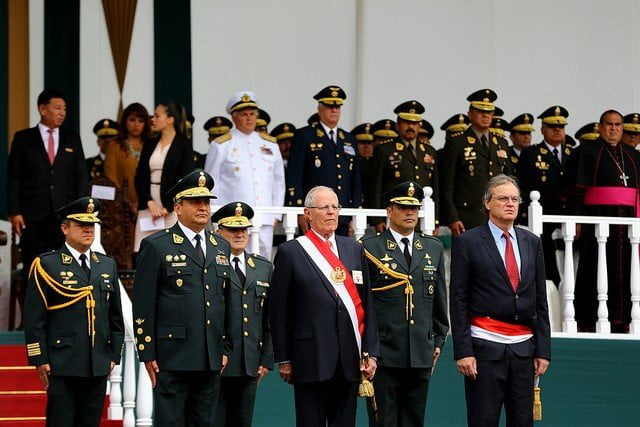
(245, 306)
(208, 304)
(244, 292)
(246, 333)
(245, 319)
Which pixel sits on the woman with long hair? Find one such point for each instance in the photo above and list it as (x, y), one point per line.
(163, 160)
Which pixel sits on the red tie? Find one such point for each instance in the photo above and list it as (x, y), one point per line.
(510, 263)
(51, 150)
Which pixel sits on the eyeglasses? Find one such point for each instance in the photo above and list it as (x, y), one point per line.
(326, 208)
(504, 199)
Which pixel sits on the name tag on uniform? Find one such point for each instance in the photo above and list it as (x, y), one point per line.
(357, 277)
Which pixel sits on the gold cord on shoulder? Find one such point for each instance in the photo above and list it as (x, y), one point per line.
(73, 294)
(404, 280)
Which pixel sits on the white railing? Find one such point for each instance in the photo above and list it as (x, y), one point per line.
(567, 285)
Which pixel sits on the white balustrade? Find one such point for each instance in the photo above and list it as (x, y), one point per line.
(634, 237)
(602, 324)
(114, 412)
(144, 399)
(129, 383)
(567, 287)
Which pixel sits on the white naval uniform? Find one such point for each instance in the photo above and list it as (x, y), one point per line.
(248, 168)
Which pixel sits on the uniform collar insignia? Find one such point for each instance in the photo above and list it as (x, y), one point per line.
(418, 245)
(391, 245)
(340, 134)
(250, 263)
(66, 259)
(95, 258)
(319, 133)
(213, 240)
(471, 140)
(386, 257)
(543, 150)
(177, 239)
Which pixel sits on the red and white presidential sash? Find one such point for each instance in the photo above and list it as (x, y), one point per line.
(498, 331)
(339, 277)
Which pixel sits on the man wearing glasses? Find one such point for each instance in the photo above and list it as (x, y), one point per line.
(324, 154)
(321, 313)
(499, 314)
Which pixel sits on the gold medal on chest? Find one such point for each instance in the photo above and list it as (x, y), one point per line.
(338, 275)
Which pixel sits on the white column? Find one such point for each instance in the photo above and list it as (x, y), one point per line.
(144, 399)
(256, 222)
(634, 237)
(129, 383)
(290, 221)
(428, 223)
(567, 286)
(359, 225)
(535, 214)
(115, 395)
(602, 324)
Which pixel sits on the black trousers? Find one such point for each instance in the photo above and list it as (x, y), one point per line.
(75, 401)
(401, 397)
(185, 398)
(331, 402)
(507, 381)
(237, 399)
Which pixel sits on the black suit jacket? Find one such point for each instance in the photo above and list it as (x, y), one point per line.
(480, 287)
(35, 187)
(178, 163)
(315, 160)
(310, 326)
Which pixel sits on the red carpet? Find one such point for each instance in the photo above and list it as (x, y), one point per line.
(22, 397)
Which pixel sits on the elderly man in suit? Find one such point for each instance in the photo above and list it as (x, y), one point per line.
(179, 307)
(499, 314)
(47, 171)
(322, 317)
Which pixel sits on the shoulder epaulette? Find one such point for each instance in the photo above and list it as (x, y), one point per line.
(223, 138)
(260, 257)
(268, 137)
(368, 236)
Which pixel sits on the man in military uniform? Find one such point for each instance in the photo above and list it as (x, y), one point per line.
(106, 130)
(216, 126)
(324, 154)
(384, 130)
(248, 166)
(283, 133)
(426, 132)
(499, 126)
(631, 129)
(544, 167)
(262, 122)
(247, 327)
(454, 126)
(404, 158)
(410, 296)
(180, 292)
(469, 161)
(520, 130)
(588, 132)
(73, 320)
(364, 139)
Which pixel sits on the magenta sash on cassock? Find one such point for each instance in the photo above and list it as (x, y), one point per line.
(613, 196)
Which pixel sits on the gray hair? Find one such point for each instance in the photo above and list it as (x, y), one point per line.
(310, 199)
(497, 181)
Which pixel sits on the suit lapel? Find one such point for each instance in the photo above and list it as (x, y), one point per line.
(417, 253)
(212, 249)
(38, 145)
(71, 264)
(250, 270)
(184, 245)
(494, 254)
(322, 277)
(94, 271)
(523, 248)
(393, 248)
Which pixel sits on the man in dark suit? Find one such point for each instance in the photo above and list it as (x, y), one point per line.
(248, 327)
(180, 294)
(47, 171)
(73, 320)
(322, 318)
(324, 154)
(469, 161)
(410, 296)
(499, 314)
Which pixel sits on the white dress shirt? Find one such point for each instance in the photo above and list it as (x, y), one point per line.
(191, 237)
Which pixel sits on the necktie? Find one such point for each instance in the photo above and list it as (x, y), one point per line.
(84, 265)
(332, 136)
(483, 140)
(199, 252)
(555, 153)
(239, 272)
(510, 263)
(51, 149)
(407, 255)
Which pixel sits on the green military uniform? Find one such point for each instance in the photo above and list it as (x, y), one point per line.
(106, 130)
(73, 322)
(394, 161)
(468, 165)
(247, 326)
(411, 310)
(179, 311)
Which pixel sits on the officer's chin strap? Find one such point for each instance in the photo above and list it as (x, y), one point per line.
(74, 295)
(404, 280)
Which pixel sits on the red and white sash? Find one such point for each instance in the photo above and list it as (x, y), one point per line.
(324, 258)
(498, 331)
